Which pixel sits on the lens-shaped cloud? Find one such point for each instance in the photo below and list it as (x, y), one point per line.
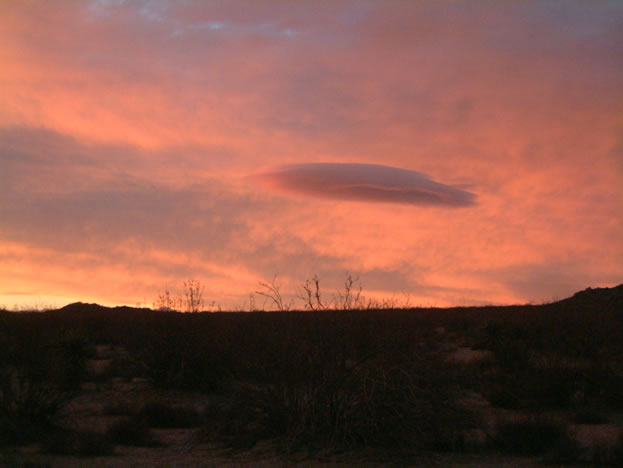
(365, 182)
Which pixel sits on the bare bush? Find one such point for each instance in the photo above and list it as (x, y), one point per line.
(311, 296)
(272, 291)
(370, 404)
(134, 432)
(193, 296)
(532, 436)
(190, 301)
(165, 301)
(32, 394)
(350, 297)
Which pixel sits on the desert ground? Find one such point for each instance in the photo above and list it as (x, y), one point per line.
(526, 385)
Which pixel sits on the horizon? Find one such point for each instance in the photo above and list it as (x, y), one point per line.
(460, 153)
(300, 306)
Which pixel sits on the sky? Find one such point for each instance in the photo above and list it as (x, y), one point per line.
(453, 152)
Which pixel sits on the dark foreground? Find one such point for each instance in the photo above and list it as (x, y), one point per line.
(506, 386)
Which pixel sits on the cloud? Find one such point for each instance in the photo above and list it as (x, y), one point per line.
(133, 124)
(365, 182)
(108, 195)
(553, 278)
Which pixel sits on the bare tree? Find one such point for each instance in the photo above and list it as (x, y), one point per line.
(193, 296)
(165, 301)
(350, 298)
(311, 297)
(272, 292)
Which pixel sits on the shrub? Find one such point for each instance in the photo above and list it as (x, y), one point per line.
(116, 408)
(81, 444)
(72, 351)
(132, 431)
(512, 355)
(19, 430)
(501, 397)
(534, 436)
(164, 416)
(31, 396)
(367, 405)
(589, 417)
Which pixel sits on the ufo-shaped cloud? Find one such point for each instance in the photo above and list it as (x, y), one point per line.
(365, 182)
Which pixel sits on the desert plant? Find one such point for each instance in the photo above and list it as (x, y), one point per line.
(81, 444)
(350, 297)
(193, 296)
(32, 394)
(370, 404)
(503, 397)
(161, 415)
(588, 416)
(311, 296)
(191, 300)
(532, 436)
(132, 431)
(72, 351)
(271, 290)
(165, 301)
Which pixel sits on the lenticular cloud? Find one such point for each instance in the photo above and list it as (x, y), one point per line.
(365, 182)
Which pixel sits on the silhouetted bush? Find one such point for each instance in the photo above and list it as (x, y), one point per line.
(32, 392)
(72, 351)
(370, 404)
(164, 416)
(80, 444)
(20, 430)
(588, 416)
(530, 437)
(132, 431)
(180, 355)
(117, 408)
(504, 397)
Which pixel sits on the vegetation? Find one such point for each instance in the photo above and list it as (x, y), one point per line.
(531, 436)
(161, 415)
(132, 431)
(40, 370)
(80, 444)
(328, 376)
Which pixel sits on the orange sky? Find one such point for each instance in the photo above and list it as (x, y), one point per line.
(136, 138)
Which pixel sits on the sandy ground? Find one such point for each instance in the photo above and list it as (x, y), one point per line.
(91, 411)
(181, 449)
(210, 456)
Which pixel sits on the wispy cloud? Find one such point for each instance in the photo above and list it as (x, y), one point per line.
(366, 183)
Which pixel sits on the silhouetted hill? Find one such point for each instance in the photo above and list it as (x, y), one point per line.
(596, 297)
(81, 308)
(588, 298)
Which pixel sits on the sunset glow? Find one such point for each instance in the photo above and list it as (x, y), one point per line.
(458, 152)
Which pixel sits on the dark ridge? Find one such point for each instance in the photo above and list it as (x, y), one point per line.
(588, 298)
(597, 297)
(79, 310)
(82, 307)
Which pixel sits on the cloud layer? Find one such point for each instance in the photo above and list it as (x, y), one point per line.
(128, 131)
(365, 182)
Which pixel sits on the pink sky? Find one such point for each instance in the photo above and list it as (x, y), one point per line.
(143, 143)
